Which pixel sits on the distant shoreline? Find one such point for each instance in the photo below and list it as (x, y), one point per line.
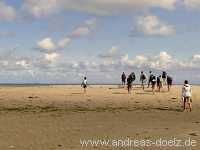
(70, 84)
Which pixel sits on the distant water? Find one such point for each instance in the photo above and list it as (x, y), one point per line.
(50, 84)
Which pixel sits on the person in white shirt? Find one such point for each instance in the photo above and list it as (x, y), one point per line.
(84, 84)
(186, 95)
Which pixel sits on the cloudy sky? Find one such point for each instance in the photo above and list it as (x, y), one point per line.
(60, 41)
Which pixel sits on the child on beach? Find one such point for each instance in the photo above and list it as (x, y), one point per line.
(143, 79)
(84, 84)
(186, 95)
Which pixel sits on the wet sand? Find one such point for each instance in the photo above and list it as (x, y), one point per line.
(57, 117)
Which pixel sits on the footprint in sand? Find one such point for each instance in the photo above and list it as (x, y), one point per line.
(193, 134)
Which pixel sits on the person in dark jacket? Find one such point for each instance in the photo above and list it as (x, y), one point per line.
(130, 80)
(123, 78)
(169, 82)
(150, 78)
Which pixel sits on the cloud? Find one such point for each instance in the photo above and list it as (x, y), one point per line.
(51, 56)
(7, 13)
(84, 29)
(196, 57)
(49, 49)
(23, 63)
(46, 44)
(99, 7)
(151, 25)
(41, 7)
(49, 68)
(12, 62)
(162, 61)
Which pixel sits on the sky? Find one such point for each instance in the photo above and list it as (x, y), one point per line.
(61, 41)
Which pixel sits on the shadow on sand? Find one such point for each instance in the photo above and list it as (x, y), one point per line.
(78, 108)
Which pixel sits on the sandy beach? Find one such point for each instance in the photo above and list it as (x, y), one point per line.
(57, 117)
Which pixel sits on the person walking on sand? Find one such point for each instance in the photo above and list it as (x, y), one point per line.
(169, 82)
(159, 83)
(123, 78)
(153, 84)
(130, 80)
(186, 95)
(150, 78)
(84, 84)
(143, 79)
(164, 77)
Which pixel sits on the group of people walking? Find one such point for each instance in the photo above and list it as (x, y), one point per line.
(159, 82)
(152, 80)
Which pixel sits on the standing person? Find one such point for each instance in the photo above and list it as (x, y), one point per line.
(186, 95)
(130, 80)
(123, 77)
(164, 77)
(129, 84)
(153, 84)
(84, 84)
(159, 83)
(169, 82)
(143, 79)
(150, 78)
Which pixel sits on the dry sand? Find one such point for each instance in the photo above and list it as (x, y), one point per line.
(57, 117)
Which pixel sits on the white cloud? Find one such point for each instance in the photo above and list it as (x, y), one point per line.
(46, 44)
(50, 68)
(161, 61)
(51, 56)
(7, 13)
(99, 7)
(22, 63)
(85, 29)
(151, 25)
(196, 57)
(40, 8)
